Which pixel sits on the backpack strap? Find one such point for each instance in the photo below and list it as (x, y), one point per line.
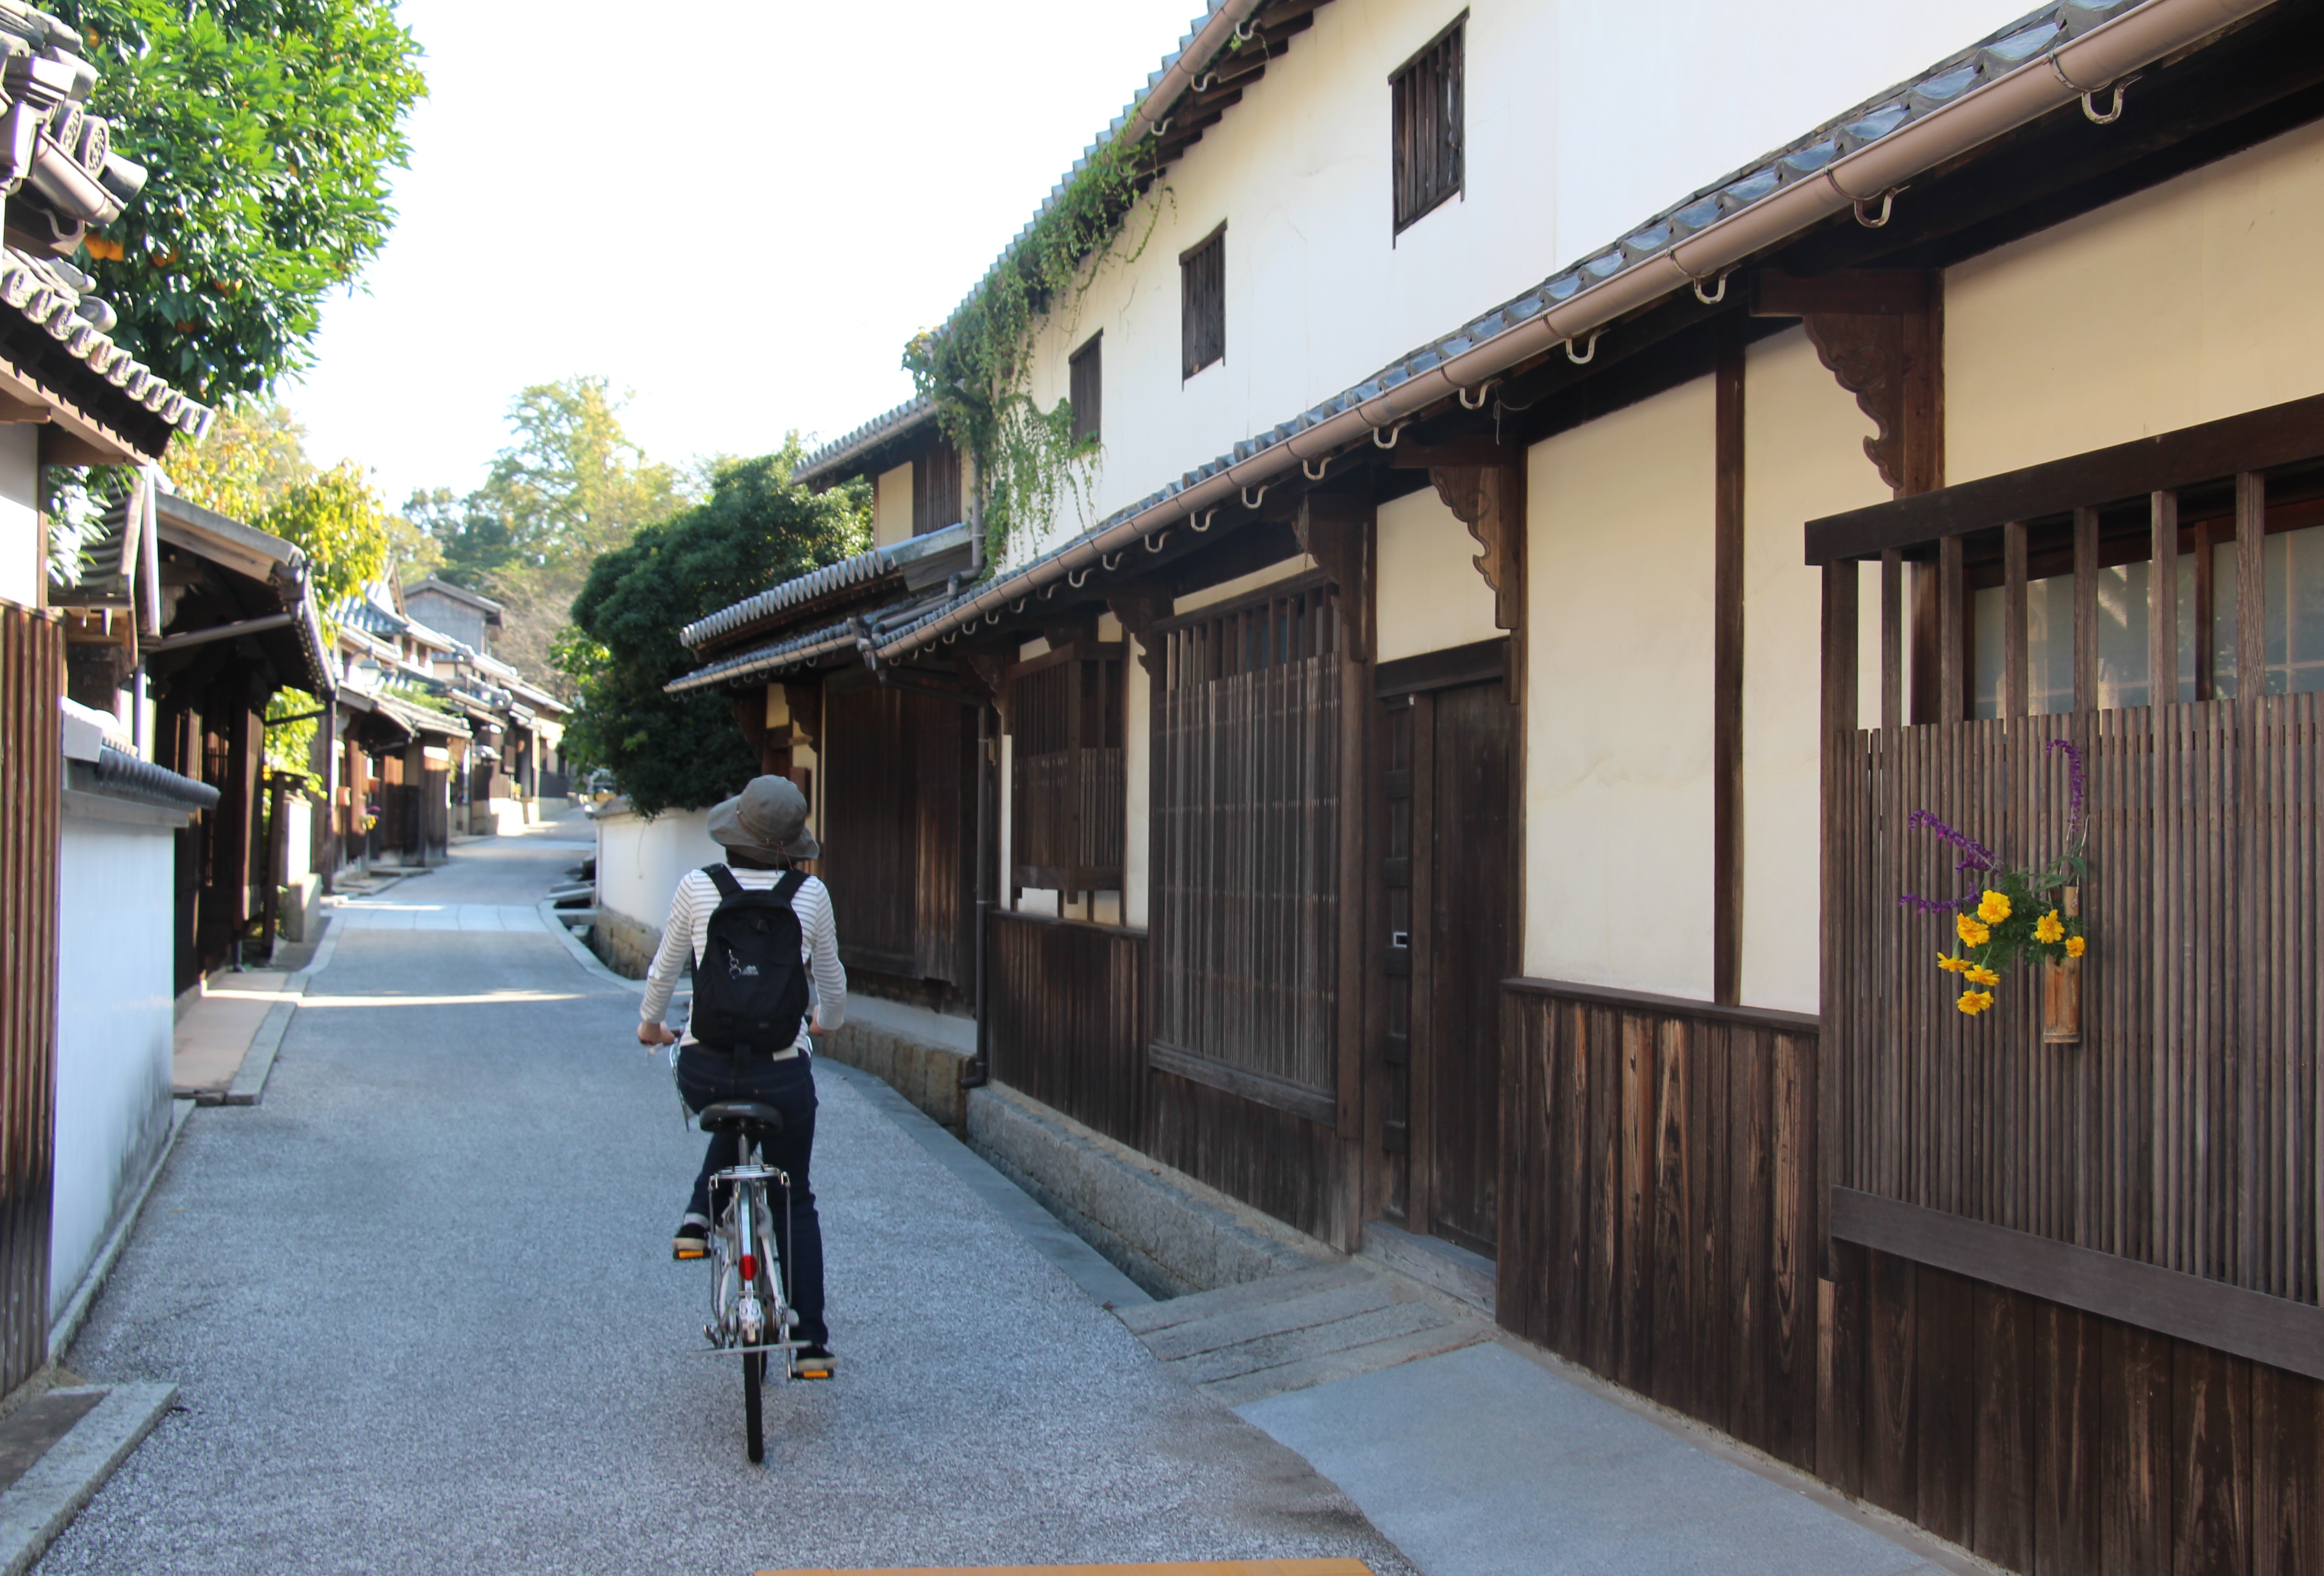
(723, 879)
(787, 887)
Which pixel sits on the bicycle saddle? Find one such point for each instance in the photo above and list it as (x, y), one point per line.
(740, 1116)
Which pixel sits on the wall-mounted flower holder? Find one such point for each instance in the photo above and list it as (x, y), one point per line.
(2061, 986)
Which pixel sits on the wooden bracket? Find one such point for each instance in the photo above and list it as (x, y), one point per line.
(1139, 612)
(1879, 333)
(1069, 633)
(1490, 499)
(1335, 530)
(985, 674)
(805, 697)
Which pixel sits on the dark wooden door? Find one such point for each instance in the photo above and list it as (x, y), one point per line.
(1471, 902)
(1448, 894)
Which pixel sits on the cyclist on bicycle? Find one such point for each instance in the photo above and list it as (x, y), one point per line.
(763, 829)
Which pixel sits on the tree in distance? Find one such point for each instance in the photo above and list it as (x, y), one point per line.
(757, 528)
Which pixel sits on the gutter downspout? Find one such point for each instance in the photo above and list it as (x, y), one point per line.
(2085, 64)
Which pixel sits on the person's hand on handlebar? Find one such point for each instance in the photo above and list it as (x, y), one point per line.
(655, 1034)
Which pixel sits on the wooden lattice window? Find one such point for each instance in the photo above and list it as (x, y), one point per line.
(1245, 806)
(1426, 93)
(935, 489)
(1202, 303)
(1087, 387)
(1067, 799)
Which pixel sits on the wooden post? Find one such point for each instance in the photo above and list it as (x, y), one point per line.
(2251, 585)
(2162, 601)
(1892, 638)
(2086, 610)
(2013, 655)
(1727, 681)
(1952, 625)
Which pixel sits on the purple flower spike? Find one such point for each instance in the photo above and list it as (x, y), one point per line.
(1932, 905)
(1981, 857)
(2074, 787)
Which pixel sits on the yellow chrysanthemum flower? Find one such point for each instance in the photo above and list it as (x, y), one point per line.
(1952, 964)
(2048, 930)
(1993, 907)
(1966, 926)
(1983, 977)
(2075, 946)
(1973, 1002)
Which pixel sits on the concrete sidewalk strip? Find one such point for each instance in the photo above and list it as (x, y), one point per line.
(1230, 1299)
(42, 1502)
(1268, 1351)
(1272, 1319)
(1480, 1463)
(1330, 1366)
(217, 1029)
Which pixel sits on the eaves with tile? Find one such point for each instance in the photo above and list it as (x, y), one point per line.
(58, 177)
(1933, 128)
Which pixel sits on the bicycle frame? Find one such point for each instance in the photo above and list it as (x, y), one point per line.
(749, 1312)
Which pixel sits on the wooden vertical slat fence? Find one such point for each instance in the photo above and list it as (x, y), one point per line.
(1068, 1018)
(32, 680)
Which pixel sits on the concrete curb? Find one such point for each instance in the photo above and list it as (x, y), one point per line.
(1083, 1264)
(42, 1504)
(547, 909)
(249, 1085)
(68, 1322)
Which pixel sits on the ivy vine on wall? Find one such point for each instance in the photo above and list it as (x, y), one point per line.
(978, 368)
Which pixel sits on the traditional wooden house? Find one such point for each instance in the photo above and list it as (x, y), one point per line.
(1457, 800)
(88, 820)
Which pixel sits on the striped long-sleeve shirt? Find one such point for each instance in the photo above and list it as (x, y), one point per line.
(689, 925)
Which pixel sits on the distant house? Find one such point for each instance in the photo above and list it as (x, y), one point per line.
(1567, 490)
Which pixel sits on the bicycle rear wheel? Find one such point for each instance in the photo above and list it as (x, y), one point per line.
(754, 1370)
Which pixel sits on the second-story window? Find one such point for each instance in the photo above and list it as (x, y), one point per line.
(936, 489)
(1426, 91)
(1087, 388)
(1202, 303)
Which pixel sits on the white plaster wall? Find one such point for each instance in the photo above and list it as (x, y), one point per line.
(2192, 300)
(1804, 456)
(114, 1027)
(892, 507)
(21, 569)
(640, 862)
(1617, 794)
(1430, 596)
(1582, 119)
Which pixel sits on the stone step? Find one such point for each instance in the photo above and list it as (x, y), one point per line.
(1251, 1294)
(1308, 1372)
(1232, 1329)
(1313, 1341)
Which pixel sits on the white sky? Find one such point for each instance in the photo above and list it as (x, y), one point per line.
(739, 213)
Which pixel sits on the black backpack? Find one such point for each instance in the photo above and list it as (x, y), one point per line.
(749, 992)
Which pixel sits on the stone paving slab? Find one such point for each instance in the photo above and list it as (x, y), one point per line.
(107, 1423)
(1229, 1299)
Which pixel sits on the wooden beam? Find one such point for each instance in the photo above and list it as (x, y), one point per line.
(2226, 1318)
(1894, 292)
(1727, 680)
(2258, 440)
(1335, 530)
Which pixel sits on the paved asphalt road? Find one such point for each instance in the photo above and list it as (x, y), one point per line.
(420, 1311)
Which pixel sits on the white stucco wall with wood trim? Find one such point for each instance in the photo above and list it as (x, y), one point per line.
(1321, 294)
(1430, 596)
(21, 568)
(892, 507)
(1803, 457)
(2192, 300)
(1618, 791)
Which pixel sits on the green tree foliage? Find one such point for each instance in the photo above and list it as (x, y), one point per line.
(757, 528)
(270, 128)
(570, 487)
(253, 468)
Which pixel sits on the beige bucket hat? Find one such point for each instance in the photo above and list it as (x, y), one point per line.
(766, 821)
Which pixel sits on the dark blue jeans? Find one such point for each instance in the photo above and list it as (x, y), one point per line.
(706, 1077)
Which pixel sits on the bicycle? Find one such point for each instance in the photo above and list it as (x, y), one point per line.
(748, 1315)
